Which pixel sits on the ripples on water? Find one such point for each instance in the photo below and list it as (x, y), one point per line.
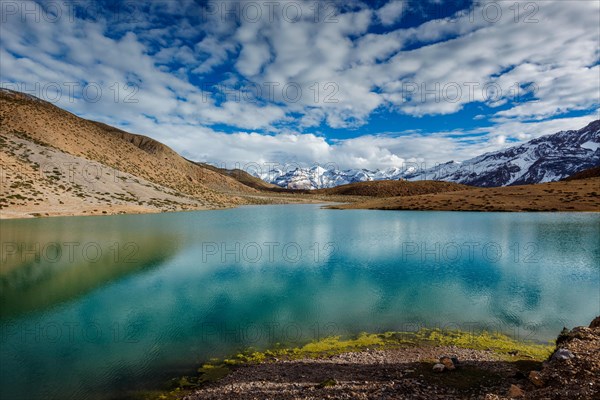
(119, 301)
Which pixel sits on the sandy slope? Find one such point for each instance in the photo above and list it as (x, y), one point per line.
(43, 181)
(36, 127)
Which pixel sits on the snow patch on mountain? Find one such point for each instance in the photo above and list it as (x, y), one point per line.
(544, 159)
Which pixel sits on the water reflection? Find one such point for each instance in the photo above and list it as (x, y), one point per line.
(47, 262)
(210, 283)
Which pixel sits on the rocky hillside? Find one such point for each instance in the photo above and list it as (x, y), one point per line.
(55, 162)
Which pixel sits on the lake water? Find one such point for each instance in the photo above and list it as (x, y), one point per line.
(93, 306)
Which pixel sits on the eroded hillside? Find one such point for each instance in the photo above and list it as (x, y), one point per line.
(55, 163)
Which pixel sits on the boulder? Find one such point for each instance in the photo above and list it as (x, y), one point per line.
(563, 336)
(595, 323)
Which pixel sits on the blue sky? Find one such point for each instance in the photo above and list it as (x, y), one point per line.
(355, 84)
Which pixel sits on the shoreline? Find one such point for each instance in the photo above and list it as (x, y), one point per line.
(321, 358)
(400, 365)
(328, 205)
(458, 201)
(95, 211)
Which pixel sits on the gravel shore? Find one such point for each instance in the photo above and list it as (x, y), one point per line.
(407, 373)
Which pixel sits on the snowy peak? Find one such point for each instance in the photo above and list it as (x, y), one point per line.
(544, 159)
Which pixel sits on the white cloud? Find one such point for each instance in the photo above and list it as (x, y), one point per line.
(356, 72)
(391, 12)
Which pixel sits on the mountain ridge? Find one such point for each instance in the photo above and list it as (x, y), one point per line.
(140, 155)
(547, 158)
(56, 163)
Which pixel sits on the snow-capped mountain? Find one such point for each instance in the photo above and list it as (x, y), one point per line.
(316, 177)
(545, 159)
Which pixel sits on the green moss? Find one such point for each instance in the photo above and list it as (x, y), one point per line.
(212, 372)
(335, 345)
(327, 383)
(496, 342)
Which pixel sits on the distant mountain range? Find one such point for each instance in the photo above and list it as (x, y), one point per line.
(545, 159)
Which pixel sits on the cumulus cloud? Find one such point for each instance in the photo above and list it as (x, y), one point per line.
(391, 12)
(181, 72)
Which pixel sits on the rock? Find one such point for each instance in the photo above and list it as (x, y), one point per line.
(562, 355)
(439, 368)
(595, 323)
(536, 378)
(515, 392)
(447, 362)
(563, 336)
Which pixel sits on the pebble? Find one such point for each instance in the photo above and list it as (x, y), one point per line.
(536, 378)
(515, 392)
(577, 378)
(562, 355)
(439, 368)
(447, 362)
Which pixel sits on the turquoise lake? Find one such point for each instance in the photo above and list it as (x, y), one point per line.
(91, 307)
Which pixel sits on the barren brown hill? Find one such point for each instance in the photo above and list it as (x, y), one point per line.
(243, 177)
(39, 121)
(55, 163)
(575, 195)
(392, 188)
